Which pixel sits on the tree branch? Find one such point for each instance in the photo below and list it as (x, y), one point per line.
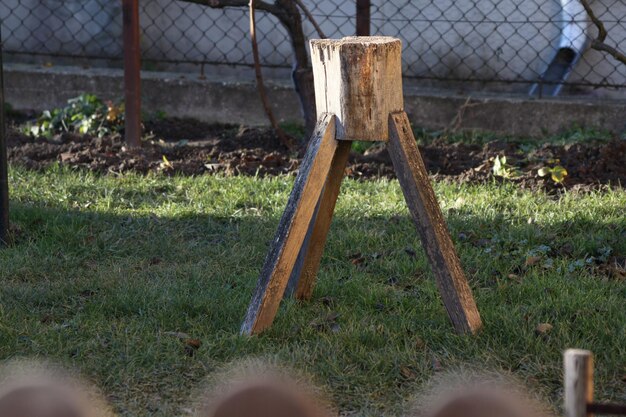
(598, 43)
(282, 136)
(311, 18)
(290, 17)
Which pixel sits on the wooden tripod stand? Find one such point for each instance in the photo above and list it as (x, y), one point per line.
(358, 92)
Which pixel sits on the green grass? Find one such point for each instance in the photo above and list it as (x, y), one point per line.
(103, 267)
(426, 137)
(573, 135)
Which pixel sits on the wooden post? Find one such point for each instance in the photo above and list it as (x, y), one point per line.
(578, 383)
(4, 164)
(305, 282)
(132, 73)
(292, 228)
(431, 226)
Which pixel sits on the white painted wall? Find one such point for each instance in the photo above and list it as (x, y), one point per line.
(487, 38)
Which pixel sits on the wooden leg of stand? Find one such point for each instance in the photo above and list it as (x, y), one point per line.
(292, 228)
(304, 276)
(297, 268)
(420, 197)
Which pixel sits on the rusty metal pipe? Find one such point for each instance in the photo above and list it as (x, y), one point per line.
(132, 78)
(363, 10)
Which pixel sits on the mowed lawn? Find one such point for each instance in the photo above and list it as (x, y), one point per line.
(105, 268)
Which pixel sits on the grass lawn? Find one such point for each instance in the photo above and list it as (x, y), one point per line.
(104, 267)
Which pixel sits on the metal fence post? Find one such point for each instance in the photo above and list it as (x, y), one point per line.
(363, 9)
(4, 180)
(132, 78)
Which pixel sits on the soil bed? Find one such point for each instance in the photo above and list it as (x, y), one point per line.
(189, 147)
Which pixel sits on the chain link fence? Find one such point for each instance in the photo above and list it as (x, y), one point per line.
(486, 43)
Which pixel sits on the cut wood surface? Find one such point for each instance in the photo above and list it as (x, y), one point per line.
(358, 79)
(578, 384)
(431, 226)
(292, 227)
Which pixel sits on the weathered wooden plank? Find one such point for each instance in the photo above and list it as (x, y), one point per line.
(304, 278)
(297, 268)
(292, 227)
(431, 226)
(578, 384)
(358, 79)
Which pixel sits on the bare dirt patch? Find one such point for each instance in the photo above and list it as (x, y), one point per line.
(190, 147)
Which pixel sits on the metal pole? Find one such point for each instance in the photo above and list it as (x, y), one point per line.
(132, 78)
(363, 27)
(4, 177)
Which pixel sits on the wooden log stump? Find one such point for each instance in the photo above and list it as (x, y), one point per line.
(358, 91)
(359, 80)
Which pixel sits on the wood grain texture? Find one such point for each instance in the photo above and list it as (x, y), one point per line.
(292, 227)
(358, 79)
(431, 226)
(578, 384)
(297, 268)
(313, 250)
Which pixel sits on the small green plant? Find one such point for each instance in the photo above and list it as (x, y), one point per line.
(501, 168)
(557, 173)
(85, 114)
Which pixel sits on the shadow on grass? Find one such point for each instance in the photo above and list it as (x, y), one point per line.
(105, 292)
(224, 254)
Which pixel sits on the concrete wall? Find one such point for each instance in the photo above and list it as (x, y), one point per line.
(482, 39)
(232, 101)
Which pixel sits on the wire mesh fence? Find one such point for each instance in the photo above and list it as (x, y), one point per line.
(489, 42)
